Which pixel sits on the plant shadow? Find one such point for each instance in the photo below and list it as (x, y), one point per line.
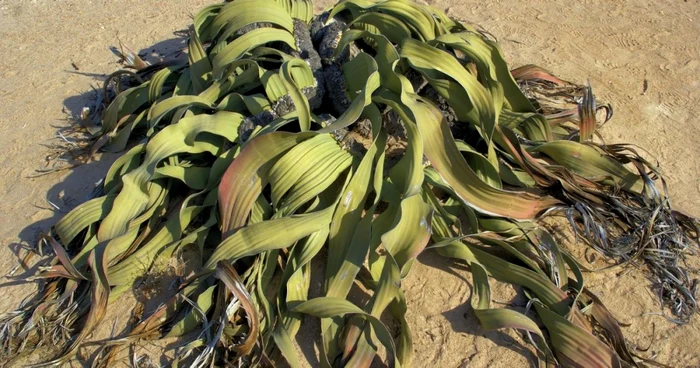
(462, 318)
(75, 185)
(75, 181)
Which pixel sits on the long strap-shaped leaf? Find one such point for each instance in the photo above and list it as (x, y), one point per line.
(238, 47)
(299, 9)
(244, 179)
(441, 150)
(491, 66)
(294, 88)
(241, 13)
(430, 60)
(174, 139)
(493, 319)
(368, 72)
(588, 161)
(70, 226)
(351, 230)
(575, 346)
(328, 307)
(387, 25)
(200, 65)
(268, 235)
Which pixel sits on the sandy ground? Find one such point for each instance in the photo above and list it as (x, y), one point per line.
(616, 44)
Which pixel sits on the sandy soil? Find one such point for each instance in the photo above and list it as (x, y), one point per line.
(616, 44)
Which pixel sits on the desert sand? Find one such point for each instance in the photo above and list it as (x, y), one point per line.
(641, 56)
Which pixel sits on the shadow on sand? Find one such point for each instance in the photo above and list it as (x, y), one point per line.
(75, 187)
(463, 320)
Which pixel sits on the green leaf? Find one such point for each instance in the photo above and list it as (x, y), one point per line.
(241, 45)
(293, 86)
(588, 161)
(268, 235)
(573, 345)
(241, 13)
(328, 307)
(244, 179)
